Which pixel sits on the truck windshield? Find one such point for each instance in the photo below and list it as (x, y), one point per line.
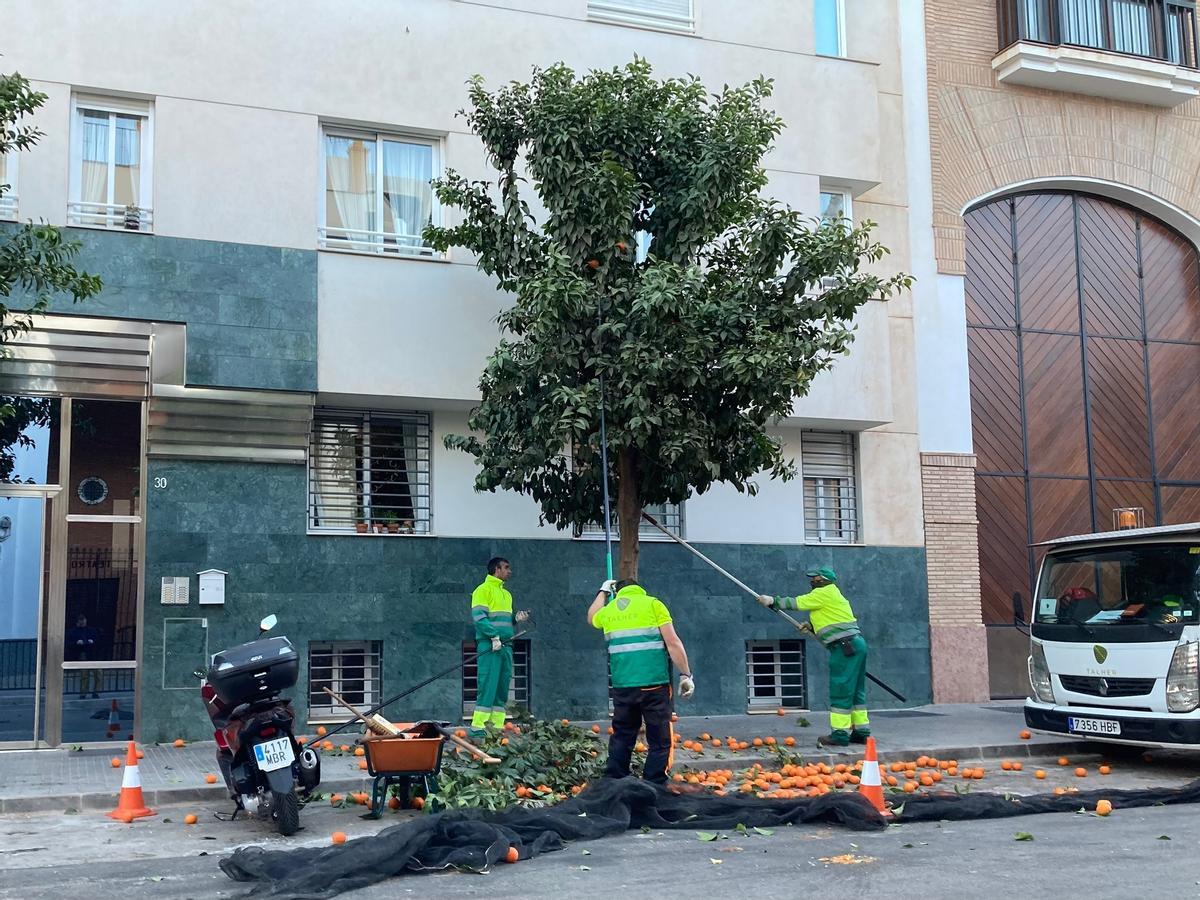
(1135, 584)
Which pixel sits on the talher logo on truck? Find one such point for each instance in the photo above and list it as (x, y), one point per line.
(1100, 653)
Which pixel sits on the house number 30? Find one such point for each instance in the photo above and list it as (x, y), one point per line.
(160, 482)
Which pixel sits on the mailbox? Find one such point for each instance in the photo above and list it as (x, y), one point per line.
(212, 587)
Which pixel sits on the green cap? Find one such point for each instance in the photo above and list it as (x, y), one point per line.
(824, 571)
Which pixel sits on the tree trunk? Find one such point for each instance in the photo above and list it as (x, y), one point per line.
(629, 512)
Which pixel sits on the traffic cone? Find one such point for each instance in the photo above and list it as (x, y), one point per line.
(130, 804)
(870, 785)
(114, 719)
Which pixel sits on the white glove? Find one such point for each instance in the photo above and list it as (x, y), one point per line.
(687, 686)
(522, 615)
(609, 587)
(766, 600)
(496, 644)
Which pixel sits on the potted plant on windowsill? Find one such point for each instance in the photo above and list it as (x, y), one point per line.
(360, 521)
(133, 218)
(391, 521)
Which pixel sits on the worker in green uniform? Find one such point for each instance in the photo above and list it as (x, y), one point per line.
(642, 644)
(492, 615)
(833, 623)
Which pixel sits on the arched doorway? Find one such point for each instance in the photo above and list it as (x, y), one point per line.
(1083, 334)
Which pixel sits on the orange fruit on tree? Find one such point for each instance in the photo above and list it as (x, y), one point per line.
(1103, 807)
(417, 802)
(339, 837)
(210, 779)
(512, 855)
(190, 819)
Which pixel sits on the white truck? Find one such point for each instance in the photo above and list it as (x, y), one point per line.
(1115, 638)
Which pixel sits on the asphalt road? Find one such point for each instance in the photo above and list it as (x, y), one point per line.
(1136, 852)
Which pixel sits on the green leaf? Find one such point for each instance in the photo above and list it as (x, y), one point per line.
(1163, 837)
(707, 836)
(1022, 836)
(765, 832)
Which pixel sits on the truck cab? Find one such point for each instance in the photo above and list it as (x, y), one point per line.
(1115, 638)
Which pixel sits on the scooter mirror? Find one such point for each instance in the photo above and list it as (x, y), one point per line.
(268, 623)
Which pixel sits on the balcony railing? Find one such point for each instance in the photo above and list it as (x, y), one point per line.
(8, 206)
(1152, 29)
(110, 215)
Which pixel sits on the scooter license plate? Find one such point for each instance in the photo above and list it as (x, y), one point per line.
(274, 754)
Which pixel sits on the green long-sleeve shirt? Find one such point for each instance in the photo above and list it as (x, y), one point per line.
(830, 613)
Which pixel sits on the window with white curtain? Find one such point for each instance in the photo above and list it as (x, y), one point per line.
(835, 206)
(8, 186)
(369, 472)
(829, 27)
(828, 465)
(111, 162)
(377, 192)
(670, 15)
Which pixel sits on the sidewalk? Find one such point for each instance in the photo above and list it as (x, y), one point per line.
(55, 780)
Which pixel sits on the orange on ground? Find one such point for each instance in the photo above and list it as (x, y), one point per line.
(952, 770)
(393, 803)
(417, 802)
(610, 729)
(1103, 807)
(1104, 770)
(345, 748)
(909, 787)
(1081, 772)
(1006, 766)
(769, 741)
(927, 780)
(566, 721)
(512, 855)
(362, 764)
(781, 711)
(716, 742)
(706, 736)
(1063, 761)
(639, 747)
(320, 731)
(339, 837)
(503, 742)
(116, 763)
(302, 740)
(1017, 767)
(758, 742)
(210, 779)
(1039, 774)
(789, 741)
(1059, 791)
(359, 751)
(140, 754)
(891, 780)
(178, 742)
(328, 745)
(922, 761)
(190, 818)
(595, 729)
(335, 799)
(1025, 735)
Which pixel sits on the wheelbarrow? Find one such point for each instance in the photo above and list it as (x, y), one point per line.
(412, 756)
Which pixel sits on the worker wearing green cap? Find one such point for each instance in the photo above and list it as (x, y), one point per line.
(832, 620)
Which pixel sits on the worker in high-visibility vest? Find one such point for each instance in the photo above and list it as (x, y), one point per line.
(642, 644)
(832, 621)
(492, 615)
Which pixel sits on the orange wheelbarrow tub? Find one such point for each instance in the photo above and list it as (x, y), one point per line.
(400, 760)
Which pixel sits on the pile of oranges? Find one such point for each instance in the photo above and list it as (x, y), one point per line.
(731, 743)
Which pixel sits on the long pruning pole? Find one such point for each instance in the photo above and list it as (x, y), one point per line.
(608, 557)
(803, 628)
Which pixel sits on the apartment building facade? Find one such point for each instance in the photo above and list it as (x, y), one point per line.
(249, 418)
(1062, 343)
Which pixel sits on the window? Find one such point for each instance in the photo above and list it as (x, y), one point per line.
(8, 185)
(827, 463)
(775, 675)
(829, 26)
(351, 669)
(669, 515)
(378, 197)
(835, 206)
(671, 15)
(111, 164)
(369, 472)
(518, 691)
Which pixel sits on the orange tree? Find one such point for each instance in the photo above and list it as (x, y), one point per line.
(35, 264)
(702, 337)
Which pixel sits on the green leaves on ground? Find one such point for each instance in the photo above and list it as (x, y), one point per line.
(1022, 836)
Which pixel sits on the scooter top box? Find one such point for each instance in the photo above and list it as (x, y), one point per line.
(254, 671)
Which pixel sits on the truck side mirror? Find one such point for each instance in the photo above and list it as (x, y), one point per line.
(268, 623)
(1018, 608)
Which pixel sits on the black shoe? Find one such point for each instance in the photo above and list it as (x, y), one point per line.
(859, 737)
(834, 740)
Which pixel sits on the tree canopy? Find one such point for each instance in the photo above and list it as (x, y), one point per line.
(629, 223)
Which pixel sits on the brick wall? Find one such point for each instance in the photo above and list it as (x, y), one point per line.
(985, 136)
(951, 538)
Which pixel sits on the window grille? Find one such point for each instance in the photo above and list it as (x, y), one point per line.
(378, 196)
(8, 195)
(775, 675)
(669, 515)
(671, 15)
(351, 669)
(370, 472)
(518, 691)
(827, 462)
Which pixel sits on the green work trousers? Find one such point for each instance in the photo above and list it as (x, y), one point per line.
(848, 689)
(495, 669)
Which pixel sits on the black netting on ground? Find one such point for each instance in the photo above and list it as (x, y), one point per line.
(474, 840)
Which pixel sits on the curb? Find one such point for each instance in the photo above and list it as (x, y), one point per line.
(1024, 750)
(105, 800)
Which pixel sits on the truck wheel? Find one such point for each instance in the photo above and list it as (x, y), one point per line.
(286, 812)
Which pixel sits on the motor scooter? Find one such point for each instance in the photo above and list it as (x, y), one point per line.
(257, 753)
